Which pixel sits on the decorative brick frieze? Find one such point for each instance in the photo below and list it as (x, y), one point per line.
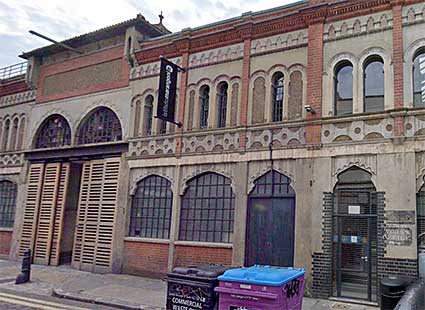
(18, 98)
(11, 159)
(286, 136)
(152, 146)
(414, 125)
(210, 142)
(222, 54)
(358, 130)
(281, 41)
(413, 14)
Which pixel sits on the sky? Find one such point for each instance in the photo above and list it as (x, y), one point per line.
(62, 19)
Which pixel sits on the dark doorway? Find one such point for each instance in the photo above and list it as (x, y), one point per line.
(355, 236)
(271, 222)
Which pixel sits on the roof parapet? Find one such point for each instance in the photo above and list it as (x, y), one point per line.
(13, 70)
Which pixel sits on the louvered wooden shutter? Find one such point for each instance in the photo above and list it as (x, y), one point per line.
(59, 214)
(29, 222)
(96, 215)
(43, 240)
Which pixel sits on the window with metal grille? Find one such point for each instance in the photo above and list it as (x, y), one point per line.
(204, 101)
(374, 84)
(343, 88)
(273, 184)
(419, 79)
(151, 206)
(54, 132)
(420, 201)
(277, 96)
(207, 211)
(222, 104)
(8, 192)
(147, 115)
(101, 125)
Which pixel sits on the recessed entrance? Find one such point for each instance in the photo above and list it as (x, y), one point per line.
(355, 236)
(271, 222)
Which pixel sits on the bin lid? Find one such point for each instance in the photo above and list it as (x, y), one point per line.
(262, 275)
(204, 272)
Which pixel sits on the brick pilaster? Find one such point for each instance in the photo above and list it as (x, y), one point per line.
(182, 97)
(314, 79)
(246, 71)
(398, 62)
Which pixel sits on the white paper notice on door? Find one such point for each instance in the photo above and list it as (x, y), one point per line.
(353, 209)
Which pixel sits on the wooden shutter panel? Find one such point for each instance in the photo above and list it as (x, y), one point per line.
(96, 215)
(43, 241)
(59, 214)
(29, 222)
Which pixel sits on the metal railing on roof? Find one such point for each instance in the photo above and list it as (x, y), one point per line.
(13, 70)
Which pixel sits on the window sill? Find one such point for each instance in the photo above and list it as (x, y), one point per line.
(8, 229)
(147, 240)
(205, 244)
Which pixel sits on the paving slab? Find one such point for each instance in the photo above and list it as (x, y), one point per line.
(117, 290)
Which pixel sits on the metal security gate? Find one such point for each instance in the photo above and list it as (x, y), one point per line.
(271, 222)
(94, 232)
(355, 244)
(44, 212)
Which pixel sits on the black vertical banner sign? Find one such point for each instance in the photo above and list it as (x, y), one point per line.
(167, 91)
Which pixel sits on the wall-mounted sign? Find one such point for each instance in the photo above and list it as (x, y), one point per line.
(353, 209)
(398, 236)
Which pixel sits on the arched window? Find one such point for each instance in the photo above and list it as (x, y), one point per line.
(204, 103)
(5, 138)
(419, 79)
(343, 88)
(222, 104)
(147, 116)
(8, 192)
(277, 97)
(207, 212)
(54, 132)
(151, 208)
(101, 125)
(374, 84)
(137, 112)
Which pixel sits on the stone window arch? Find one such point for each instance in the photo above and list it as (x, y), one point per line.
(373, 84)
(222, 96)
(419, 78)
(204, 102)
(208, 209)
(53, 132)
(151, 206)
(8, 193)
(100, 125)
(277, 96)
(343, 88)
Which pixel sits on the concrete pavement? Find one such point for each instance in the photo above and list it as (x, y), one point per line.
(115, 290)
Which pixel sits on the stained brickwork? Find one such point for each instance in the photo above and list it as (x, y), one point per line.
(195, 255)
(5, 242)
(146, 259)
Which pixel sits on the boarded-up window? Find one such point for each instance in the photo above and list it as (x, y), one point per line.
(295, 100)
(137, 111)
(21, 133)
(82, 78)
(191, 109)
(5, 138)
(258, 100)
(13, 135)
(234, 107)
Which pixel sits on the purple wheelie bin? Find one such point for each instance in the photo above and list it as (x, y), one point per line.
(261, 288)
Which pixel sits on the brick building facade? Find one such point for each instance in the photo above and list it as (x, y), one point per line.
(302, 144)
